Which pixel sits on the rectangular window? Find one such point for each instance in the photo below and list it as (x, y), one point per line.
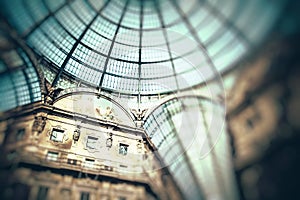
(123, 149)
(89, 163)
(107, 168)
(72, 161)
(65, 194)
(85, 196)
(91, 142)
(57, 135)
(42, 193)
(104, 197)
(52, 156)
(20, 134)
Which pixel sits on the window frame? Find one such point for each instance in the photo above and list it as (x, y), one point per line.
(51, 155)
(126, 146)
(57, 130)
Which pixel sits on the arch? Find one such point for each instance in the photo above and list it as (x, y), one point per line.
(96, 95)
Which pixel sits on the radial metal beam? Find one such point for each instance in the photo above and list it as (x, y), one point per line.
(62, 68)
(112, 44)
(39, 23)
(184, 154)
(27, 78)
(140, 50)
(218, 176)
(161, 19)
(188, 162)
(201, 46)
(229, 24)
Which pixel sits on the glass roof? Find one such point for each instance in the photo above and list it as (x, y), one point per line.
(141, 47)
(190, 135)
(19, 81)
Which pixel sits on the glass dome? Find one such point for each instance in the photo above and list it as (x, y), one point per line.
(141, 47)
(19, 80)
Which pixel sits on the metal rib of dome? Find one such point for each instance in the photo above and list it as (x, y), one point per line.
(141, 47)
(19, 80)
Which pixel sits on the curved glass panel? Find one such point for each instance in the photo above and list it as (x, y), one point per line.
(19, 81)
(190, 136)
(142, 47)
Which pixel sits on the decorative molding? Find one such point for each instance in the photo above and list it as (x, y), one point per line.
(106, 114)
(39, 123)
(51, 93)
(65, 136)
(76, 134)
(139, 116)
(97, 140)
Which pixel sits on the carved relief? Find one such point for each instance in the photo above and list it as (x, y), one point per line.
(76, 135)
(139, 146)
(39, 123)
(109, 141)
(139, 116)
(51, 93)
(106, 114)
(92, 143)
